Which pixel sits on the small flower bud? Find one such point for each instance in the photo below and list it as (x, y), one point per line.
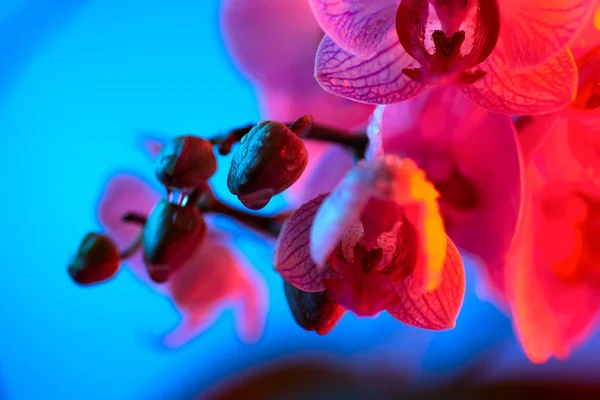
(171, 236)
(270, 158)
(186, 162)
(313, 311)
(97, 260)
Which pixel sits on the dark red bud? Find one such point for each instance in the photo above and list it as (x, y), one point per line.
(186, 162)
(270, 158)
(313, 311)
(171, 236)
(97, 260)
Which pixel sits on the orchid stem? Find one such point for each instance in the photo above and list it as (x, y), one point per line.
(132, 248)
(356, 142)
(269, 225)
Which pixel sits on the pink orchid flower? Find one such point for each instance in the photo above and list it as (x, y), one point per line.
(377, 242)
(510, 59)
(551, 272)
(472, 157)
(213, 279)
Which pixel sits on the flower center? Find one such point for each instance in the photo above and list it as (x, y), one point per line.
(448, 38)
(588, 97)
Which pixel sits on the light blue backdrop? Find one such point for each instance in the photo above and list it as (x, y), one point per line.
(81, 82)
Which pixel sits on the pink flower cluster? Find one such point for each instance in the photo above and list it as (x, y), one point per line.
(484, 137)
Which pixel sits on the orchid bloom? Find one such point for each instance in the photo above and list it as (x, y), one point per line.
(509, 58)
(552, 276)
(212, 279)
(377, 242)
(473, 159)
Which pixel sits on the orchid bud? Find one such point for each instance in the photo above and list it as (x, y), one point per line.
(186, 162)
(270, 158)
(171, 236)
(97, 260)
(313, 311)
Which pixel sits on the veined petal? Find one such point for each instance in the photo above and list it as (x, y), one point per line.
(588, 36)
(541, 90)
(358, 26)
(402, 181)
(293, 253)
(341, 209)
(378, 80)
(533, 31)
(125, 194)
(437, 309)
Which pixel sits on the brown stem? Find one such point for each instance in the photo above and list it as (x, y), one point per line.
(132, 248)
(356, 142)
(269, 225)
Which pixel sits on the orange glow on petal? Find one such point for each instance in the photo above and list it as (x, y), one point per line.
(597, 20)
(419, 197)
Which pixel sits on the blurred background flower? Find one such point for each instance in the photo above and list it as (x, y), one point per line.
(82, 83)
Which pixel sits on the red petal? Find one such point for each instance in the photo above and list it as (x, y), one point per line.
(544, 89)
(292, 255)
(379, 80)
(438, 309)
(533, 31)
(357, 26)
(364, 301)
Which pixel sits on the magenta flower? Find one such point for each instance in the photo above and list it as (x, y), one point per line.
(472, 157)
(551, 272)
(377, 242)
(509, 59)
(211, 280)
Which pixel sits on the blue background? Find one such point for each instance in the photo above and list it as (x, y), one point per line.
(81, 83)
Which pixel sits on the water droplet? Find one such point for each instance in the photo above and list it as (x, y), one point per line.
(244, 138)
(257, 200)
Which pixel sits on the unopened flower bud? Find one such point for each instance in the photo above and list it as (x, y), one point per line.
(313, 311)
(97, 260)
(186, 162)
(270, 158)
(171, 236)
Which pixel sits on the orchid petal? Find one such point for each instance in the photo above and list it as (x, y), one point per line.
(438, 309)
(357, 26)
(402, 181)
(293, 253)
(584, 140)
(328, 168)
(126, 194)
(588, 36)
(363, 301)
(533, 133)
(341, 209)
(278, 57)
(540, 90)
(379, 80)
(551, 317)
(533, 31)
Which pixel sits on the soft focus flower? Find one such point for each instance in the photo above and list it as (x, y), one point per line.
(211, 280)
(552, 276)
(581, 120)
(472, 157)
(509, 58)
(376, 242)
